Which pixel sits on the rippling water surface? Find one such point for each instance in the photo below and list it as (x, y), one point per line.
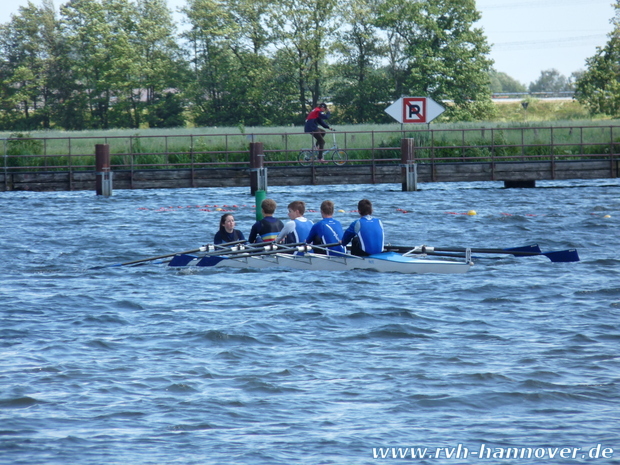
(147, 365)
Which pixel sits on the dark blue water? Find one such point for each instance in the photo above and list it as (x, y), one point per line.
(148, 365)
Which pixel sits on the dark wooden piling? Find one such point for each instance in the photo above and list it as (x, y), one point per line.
(258, 173)
(103, 179)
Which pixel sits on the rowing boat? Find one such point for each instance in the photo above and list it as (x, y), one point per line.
(300, 258)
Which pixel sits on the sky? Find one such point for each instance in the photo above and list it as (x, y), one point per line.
(526, 36)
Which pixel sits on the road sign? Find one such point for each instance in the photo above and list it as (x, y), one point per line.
(414, 110)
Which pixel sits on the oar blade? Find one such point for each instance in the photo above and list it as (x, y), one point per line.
(562, 256)
(181, 260)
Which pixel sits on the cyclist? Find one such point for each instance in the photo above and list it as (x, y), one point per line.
(315, 118)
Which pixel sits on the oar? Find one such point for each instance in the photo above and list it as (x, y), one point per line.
(200, 249)
(250, 251)
(570, 255)
(330, 252)
(285, 248)
(214, 259)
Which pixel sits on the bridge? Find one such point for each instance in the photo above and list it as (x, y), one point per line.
(517, 156)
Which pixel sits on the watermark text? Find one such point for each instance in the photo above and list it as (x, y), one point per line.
(485, 451)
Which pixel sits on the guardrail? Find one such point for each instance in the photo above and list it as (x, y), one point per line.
(204, 151)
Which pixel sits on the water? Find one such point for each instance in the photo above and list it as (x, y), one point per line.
(147, 365)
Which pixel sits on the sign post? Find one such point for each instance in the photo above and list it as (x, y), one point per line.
(414, 110)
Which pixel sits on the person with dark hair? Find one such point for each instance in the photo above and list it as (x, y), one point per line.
(297, 229)
(326, 231)
(267, 229)
(227, 231)
(366, 233)
(315, 118)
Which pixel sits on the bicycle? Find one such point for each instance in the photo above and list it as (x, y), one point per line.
(309, 156)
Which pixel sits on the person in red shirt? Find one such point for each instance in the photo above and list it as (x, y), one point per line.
(315, 118)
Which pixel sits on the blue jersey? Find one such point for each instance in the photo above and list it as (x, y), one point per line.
(369, 231)
(295, 231)
(326, 231)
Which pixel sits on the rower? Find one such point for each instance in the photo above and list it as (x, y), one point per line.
(298, 228)
(326, 231)
(267, 229)
(366, 233)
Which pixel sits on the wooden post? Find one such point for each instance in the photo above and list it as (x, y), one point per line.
(409, 169)
(102, 170)
(258, 173)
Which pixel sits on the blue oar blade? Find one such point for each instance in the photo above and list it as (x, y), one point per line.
(181, 260)
(570, 255)
(210, 260)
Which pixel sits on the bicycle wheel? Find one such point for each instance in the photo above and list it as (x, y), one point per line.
(306, 157)
(339, 157)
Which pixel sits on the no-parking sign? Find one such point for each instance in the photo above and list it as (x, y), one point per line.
(414, 110)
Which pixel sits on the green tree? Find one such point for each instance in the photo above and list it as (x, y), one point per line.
(94, 43)
(598, 88)
(235, 80)
(550, 80)
(166, 111)
(446, 56)
(360, 87)
(501, 82)
(252, 82)
(26, 51)
(210, 24)
(122, 55)
(303, 34)
(158, 54)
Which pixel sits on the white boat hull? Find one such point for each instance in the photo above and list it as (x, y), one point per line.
(388, 262)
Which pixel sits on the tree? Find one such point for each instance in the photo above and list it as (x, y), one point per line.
(501, 82)
(303, 35)
(550, 80)
(446, 57)
(574, 77)
(27, 51)
(161, 67)
(166, 112)
(360, 86)
(598, 88)
(122, 55)
(96, 41)
(209, 23)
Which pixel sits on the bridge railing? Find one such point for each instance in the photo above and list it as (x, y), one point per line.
(203, 151)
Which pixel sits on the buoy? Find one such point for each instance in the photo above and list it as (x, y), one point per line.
(607, 216)
(218, 209)
(340, 211)
(471, 213)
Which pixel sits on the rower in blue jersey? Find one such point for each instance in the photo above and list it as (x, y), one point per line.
(298, 228)
(365, 234)
(326, 231)
(267, 229)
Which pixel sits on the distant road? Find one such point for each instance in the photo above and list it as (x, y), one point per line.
(518, 96)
